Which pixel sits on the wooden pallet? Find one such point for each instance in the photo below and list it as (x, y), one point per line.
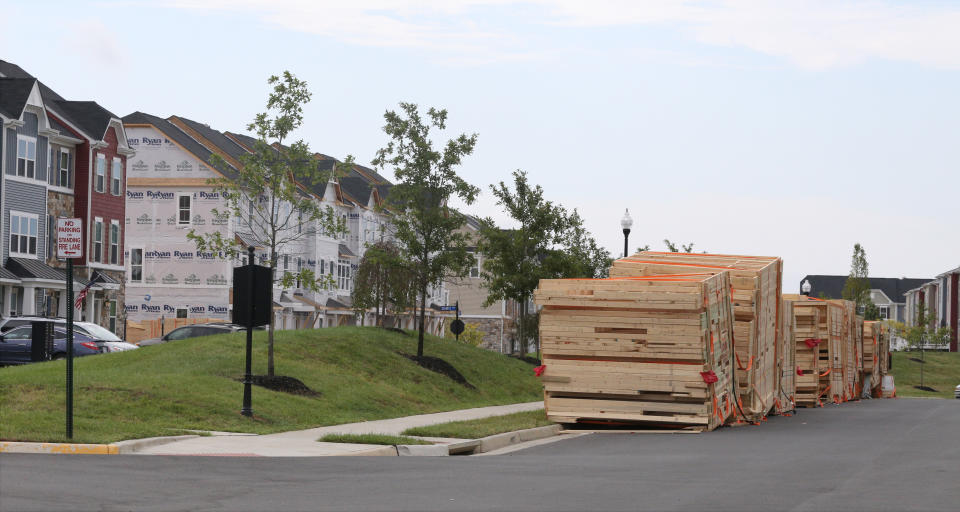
(633, 350)
(822, 364)
(786, 401)
(848, 336)
(755, 295)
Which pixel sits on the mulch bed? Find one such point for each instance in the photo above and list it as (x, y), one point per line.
(435, 364)
(918, 360)
(526, 359)
(283, 384)
(926, 388)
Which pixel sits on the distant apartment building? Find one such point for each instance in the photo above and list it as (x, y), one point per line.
(940, 299)
(887, 293)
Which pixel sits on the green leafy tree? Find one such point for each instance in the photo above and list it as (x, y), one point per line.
(266, 193)
(857, 286)
(671, 247)
(514, 259)
(382, 282)
(922, 334)
(427, 229)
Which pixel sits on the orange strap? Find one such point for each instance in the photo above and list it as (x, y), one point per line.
(824, 374)
(740, 365)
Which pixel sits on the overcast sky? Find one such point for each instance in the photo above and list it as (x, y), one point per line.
(746, 127)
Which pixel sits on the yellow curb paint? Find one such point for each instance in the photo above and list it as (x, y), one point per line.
(60, 448)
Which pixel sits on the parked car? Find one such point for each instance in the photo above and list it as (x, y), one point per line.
(10, 322)
(192, 331)
(15, 345)
(956, 392)
(88, 328)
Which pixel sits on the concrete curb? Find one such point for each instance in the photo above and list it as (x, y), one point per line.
(383, 451)
(498, 441)
(117, 448)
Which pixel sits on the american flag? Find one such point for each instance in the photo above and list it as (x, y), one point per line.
(82, 295)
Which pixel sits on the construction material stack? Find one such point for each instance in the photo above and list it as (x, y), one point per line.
(787, 400)
(652, 350)
(755, 295)
(872, 333)
(807, 350)
(848, 337)
(827, 347)
(858, 358)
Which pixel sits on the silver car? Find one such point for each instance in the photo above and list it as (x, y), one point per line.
(956, 392)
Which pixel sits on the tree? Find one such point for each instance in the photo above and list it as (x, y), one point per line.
(427, 229)
(583, 257)
(266, 193)
(382, 281)
(857, 286)
(923, 333)
(514, 258)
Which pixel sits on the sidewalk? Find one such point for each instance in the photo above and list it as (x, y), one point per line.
(303, 443)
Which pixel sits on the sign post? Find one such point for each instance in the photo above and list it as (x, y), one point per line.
(252, 307)
(456, 327)
(69, 246)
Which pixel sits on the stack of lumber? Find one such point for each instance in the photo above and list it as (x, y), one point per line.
(787, 350)
(807, 358)
(650, 350)
(872, 333)
(755, 295)
(819, 351)
(884, 344)
(858, 358)
(846, 379)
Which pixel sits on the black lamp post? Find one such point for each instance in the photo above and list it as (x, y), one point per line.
(626, 223)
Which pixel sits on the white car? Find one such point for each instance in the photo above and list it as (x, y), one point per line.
(956, 392)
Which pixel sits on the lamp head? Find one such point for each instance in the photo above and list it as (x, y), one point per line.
(626, 222)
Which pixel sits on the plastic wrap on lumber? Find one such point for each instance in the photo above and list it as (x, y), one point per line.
(647, 350)
(756, 289)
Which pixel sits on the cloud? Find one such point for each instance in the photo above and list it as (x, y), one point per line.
(811, 34)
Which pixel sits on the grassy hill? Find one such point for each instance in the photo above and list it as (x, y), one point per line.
(941, 372)
(195, 384)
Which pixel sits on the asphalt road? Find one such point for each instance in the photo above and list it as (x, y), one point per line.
(874, 455)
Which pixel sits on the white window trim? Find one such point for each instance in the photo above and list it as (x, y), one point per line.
(16, 169)
(190, 218)
(119, 179)
(31, 216)
(96, 172)
(93, 240)
(116, 223)
(59, 169)
(130, 264)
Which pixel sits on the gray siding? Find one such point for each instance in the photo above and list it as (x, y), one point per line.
(29, 128)
(26, 198)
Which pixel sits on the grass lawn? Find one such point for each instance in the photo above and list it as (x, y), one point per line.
(370, 439)
(940, 372)
(474, 429)
(194, 384)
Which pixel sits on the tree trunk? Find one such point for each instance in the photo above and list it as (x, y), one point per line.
(523, 326)
(423, 316)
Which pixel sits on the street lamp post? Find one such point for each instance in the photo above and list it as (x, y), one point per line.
(626, 223)
(805, 287)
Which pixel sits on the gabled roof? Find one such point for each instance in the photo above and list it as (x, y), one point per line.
(60, 127)
(343, 250)
(92, 119)
(14, 93)
(831, 287)
(177, 135)
(223, 143)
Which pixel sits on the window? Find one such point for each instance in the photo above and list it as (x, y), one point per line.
(884, 312)
(181, 312)
(112, 318)
(136, 265)
(299, 270)
(98, 240)
(23, 234)
(101, 172)
(332, 267)
(183, 209)
(114, 242)
(323, 267)
(343, 275)
(62, 176)
(115, 175)
(475, 267)
(26, 156)
(250, 213)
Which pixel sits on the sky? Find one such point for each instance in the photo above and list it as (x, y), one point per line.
(792, 129)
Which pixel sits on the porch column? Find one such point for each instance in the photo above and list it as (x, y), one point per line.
(91, 295)
(29, 300)
(7, 300)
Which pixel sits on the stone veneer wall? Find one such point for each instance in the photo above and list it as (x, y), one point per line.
(491, 329)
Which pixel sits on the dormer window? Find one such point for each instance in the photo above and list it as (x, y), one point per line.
(26, 156)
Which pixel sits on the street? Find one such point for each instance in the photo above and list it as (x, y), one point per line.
(872, 455)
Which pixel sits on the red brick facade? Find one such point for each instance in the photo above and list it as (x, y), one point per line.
(91, 204)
